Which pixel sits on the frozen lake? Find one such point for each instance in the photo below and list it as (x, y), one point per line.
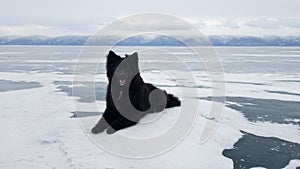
(260, 126)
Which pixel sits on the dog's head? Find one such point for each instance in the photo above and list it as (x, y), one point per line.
(121, 70)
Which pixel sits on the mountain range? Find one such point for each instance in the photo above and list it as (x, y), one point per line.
(151, 41)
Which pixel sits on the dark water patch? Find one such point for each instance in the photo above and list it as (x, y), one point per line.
(63, 82)
(238, 82)
(203, 87)
(9, 85)
(251, 83)
(271, 110)
(88, 92)
(162, 85)
(198, 86)
(283, 92)
(256, 151)
(79, 114)
(296, 81)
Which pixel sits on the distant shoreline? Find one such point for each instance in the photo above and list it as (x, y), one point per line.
(28, 45)
(215, 40)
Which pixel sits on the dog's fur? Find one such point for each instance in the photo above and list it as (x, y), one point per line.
(120, 71)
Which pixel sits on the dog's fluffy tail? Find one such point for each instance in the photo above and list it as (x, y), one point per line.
(172, 101)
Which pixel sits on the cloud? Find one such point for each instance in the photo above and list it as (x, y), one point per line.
(152, 23)
(45, 30)
(124, 25)
(290, 22)
(200, 25)
(229, 24)
(273, 23)
(263, 23)
(196, 22)
(234, 26)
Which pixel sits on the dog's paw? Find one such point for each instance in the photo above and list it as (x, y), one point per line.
(110, 130)
(97, 130)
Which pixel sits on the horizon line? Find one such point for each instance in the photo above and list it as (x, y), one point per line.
(66, 35)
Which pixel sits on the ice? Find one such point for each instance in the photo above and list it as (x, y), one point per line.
(38, 131)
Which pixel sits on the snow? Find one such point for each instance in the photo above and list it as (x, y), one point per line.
(37, 131)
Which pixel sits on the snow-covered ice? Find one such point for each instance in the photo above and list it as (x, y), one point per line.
(37, 131)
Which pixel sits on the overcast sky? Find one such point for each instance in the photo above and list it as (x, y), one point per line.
(212, 17)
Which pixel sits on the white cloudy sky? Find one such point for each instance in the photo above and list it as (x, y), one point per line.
(212, 17)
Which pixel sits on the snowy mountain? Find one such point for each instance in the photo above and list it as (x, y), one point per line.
(153, 41)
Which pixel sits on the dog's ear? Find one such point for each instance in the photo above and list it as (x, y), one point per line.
(133, 58)
(112, 57)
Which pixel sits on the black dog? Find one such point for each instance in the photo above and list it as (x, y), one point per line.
(128, 97)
